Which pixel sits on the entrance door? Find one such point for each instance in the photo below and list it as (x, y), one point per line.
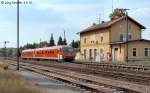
(116, 54)
(101, 55)
(90, 54)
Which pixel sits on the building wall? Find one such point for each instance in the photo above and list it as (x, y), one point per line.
(140, 50)
(95, 40)
(121, 27)
(91, 41)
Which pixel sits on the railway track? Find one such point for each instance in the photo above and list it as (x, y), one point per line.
(132, 73)
(71, 77)
(115, 72)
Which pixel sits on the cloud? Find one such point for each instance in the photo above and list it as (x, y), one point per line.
(44, 17)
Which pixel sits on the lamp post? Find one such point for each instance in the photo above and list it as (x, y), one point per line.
(18, 35)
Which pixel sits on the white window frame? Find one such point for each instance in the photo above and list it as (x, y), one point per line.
(92, 38)
(128, 36)
(101, 35)
(147, 51)
(124, 37)
(136, 51)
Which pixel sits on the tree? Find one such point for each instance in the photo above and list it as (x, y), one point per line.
(117, 13)
(60, 41)
(44, 44)
(9, 52)
(65, 41)
(52, 42)
(72, 44)
(75, 44)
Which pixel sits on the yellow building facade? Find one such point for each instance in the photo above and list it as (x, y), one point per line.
(109, 41)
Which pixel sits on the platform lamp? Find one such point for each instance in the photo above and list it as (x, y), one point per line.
(18, 35)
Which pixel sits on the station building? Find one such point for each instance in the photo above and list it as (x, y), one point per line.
(118, 40)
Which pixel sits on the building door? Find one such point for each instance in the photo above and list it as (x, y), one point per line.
(90, 54)
(84, 53)
(95, 54)
(101, 55)
(116, 54)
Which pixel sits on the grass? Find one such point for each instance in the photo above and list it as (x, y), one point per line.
(11, 83)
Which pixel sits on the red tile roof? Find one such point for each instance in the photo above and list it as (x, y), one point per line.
(109, 24)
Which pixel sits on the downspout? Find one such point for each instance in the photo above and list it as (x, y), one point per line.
(127, 38)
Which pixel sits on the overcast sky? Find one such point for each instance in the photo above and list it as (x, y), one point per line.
(43, 17)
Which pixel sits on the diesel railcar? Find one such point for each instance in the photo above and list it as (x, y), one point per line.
(58, 53)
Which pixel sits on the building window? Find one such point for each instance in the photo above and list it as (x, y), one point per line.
(84, 40)
(121, 37)
(84, 53)
(129, 36)
(92, 42)
(134, 52)
(102, 39)
(147, 52)
(92, 38)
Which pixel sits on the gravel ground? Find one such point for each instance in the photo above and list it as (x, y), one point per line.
(49, 85)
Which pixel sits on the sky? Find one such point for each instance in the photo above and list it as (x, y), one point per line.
(40, 18)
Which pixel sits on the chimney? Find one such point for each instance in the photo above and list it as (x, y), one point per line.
(94, 24)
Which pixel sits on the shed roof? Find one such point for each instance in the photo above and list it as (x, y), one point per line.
(131, 41)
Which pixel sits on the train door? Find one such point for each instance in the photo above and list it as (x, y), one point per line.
(59, 54)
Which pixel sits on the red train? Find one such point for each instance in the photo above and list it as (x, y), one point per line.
(58, 53)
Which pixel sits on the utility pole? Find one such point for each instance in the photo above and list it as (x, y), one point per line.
(64, 34)
(99, 18)
(18, 35)
(40, 42)
(112, 6)
(127, 37)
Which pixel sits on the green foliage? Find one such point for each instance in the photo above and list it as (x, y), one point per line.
(75, 44)
(65, 41)
(52, 42)
(18, 53)
(117, 13)
(60, 41)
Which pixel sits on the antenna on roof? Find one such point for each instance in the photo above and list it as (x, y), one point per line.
(64, 33)
(99, 18)
(112, 6)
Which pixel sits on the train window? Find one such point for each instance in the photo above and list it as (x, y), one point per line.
(56, 51)
(52, 52)
(45, 52)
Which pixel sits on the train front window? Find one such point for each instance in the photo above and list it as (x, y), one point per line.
(68, 50)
